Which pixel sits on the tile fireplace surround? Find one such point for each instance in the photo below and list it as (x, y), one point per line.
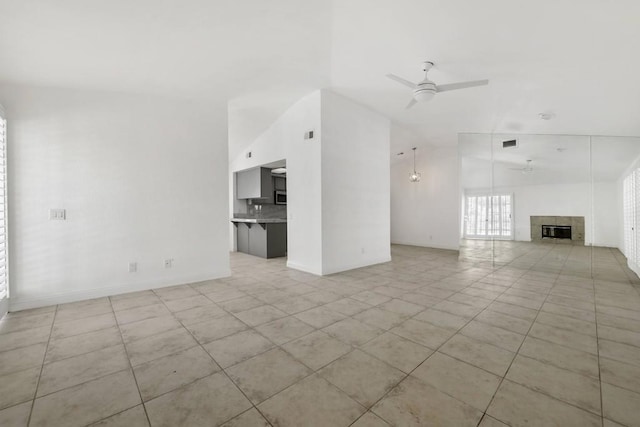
(575, 222)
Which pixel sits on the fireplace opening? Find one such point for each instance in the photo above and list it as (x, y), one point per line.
(556, 232)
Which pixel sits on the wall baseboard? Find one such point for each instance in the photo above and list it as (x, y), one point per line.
(426, 245)
(347, 267)
(304, 268)
(17, 304)
(4, 307)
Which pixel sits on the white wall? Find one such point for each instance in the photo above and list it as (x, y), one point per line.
(141, 178)
(285, 140)
(337, 183)
(425, 213)
(355, 185)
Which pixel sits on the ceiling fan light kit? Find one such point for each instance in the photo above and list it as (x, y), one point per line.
(425, 90)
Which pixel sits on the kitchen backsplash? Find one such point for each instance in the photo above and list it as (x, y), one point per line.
(265, 211)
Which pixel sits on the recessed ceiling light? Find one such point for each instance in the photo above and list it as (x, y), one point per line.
(546, 116)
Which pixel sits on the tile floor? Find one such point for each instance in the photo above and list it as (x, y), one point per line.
(426, 339)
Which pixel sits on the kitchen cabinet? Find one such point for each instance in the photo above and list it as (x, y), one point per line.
(254, 183)
(266, 239)
(279, 183)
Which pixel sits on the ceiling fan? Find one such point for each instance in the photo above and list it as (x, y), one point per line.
(525, 170)
(426, 89)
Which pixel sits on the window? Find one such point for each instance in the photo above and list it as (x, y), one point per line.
(489, 216)
(3, 207)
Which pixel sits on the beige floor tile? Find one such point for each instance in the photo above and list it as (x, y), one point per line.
(620, 374)
(363, 377)
(175, 292)
(620, 405)
(250, 418)
(79, 344)
(347, 306)
(134, 417)
(240, 304)
(504, 321)
(120, 304)
(82, 368)
(619, 322)
(145, 328)
(563, 310)
(488, 421)
(141, 313)
(170, 372)
(18, 387)
(82, 312)
(319, 317)
(238, 347)
(415, 403)
(15, 416)
(513, 310)
(423, 333)
(619, 335)
(477, 353)
(459, 309)
(379, 318)
(217, 328)
(159, 345)
(188, 303)
(403, 308)
(284, 330)
(259, 315)
(294, 304)
(21, 358)
(568, 386)
(472, 300)
(208, 401)
(620, 352)
(493, 335)
(371, 298)
(619, 312)
(420, 299)
(560, 356)
(24, 338)
(566, 322)
(442, 319)
(222, 296)
(519, 406)
(564, 337)
(90, 324)
(199, 314)
(467, 383)
(398, 352)
(88, 402)
(370, 420)
(267, 374)
(311, 402)
(316, 349)
(20, 323)
(352, 331)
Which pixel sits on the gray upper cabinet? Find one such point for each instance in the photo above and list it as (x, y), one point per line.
(254, 184)
(279, 183)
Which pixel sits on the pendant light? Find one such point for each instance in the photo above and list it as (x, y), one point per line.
(414, 176)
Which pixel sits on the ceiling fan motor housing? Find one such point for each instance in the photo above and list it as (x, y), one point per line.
(425, 91)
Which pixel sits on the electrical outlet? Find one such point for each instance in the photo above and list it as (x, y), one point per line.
(168, 263)
(133, 267)
(57, 214)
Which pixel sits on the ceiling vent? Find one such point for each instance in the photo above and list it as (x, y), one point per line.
(512, 143)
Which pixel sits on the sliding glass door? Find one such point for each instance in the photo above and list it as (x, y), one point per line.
(489, 216)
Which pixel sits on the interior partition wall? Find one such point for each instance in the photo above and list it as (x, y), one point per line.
(586, 186)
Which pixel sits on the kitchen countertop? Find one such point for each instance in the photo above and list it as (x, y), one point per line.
(260, 220)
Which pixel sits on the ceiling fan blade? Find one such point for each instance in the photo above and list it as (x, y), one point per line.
(410, 104)
(402, 81)
(461, 85)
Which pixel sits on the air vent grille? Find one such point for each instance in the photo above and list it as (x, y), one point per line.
(510, 143)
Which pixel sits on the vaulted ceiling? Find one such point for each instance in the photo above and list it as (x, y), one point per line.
(575, 58)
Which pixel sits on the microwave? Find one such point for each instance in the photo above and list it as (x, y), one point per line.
(280, 197)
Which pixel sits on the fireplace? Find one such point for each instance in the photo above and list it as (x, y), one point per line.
(556, 232)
